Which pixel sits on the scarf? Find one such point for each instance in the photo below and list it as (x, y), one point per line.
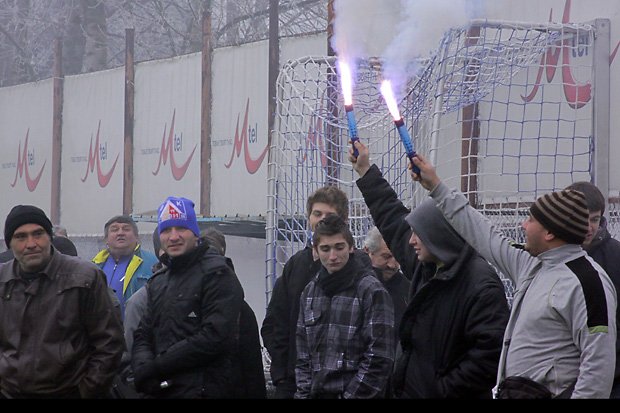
(340, 280)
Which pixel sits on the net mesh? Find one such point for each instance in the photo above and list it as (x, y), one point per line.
(500, 108)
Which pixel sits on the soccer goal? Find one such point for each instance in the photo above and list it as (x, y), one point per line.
(506, 112)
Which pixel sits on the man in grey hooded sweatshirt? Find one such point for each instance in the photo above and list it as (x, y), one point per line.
(451, 332)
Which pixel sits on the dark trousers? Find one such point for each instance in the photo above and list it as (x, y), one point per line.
(285, 389)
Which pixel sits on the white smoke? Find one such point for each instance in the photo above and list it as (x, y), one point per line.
(409, 29)
(359, 26)
(420, 32)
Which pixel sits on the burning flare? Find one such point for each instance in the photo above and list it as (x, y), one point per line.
(390, 101)
(346, 82)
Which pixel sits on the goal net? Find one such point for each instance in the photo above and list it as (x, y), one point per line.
(503, 110)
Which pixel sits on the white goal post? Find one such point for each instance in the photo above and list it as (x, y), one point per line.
(506, 111)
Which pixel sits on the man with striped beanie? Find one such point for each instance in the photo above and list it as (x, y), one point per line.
(564, 214)
(560, 339)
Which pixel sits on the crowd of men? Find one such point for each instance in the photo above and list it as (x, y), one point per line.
(419, 312)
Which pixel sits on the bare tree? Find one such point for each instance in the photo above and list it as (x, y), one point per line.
(17, 65)
(75, 42)
(93, 31)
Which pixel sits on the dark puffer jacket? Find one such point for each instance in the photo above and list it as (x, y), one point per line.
(191, 327)
(606, 251)
(451, 333)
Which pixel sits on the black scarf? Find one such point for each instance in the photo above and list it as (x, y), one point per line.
(340, 280)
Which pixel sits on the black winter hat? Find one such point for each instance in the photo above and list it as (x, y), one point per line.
(64, 245)
(25, 214)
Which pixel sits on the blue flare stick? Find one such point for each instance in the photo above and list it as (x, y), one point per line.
(352, 127)
(406, 140)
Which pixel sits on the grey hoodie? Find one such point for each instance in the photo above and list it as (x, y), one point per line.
(435, 232)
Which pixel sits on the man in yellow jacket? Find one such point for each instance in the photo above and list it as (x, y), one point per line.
(126, 265)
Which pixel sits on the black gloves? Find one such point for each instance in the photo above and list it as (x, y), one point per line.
(146, 378)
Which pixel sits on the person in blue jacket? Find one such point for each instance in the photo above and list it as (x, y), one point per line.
(126, 265)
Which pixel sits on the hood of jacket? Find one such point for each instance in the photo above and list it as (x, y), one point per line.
(435, 232)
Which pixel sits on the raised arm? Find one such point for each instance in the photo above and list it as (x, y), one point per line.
(387, 210)
(472, 225)
(361, 162)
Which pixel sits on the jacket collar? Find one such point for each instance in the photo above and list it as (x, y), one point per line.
(601, 236)
(14, 271)
(561, 254)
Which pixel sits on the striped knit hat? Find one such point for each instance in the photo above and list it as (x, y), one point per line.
(564, 214)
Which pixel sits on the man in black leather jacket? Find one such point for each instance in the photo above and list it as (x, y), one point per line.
(60, 336)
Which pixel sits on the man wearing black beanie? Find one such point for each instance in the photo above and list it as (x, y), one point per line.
(24, 214)
(60, 335)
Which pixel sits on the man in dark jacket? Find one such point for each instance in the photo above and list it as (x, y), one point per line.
(187, 340)
(451, 333)
(280, 323)
(249, 360)
(60, 335)
(345, 338)
(605, 250)
(388, 271)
